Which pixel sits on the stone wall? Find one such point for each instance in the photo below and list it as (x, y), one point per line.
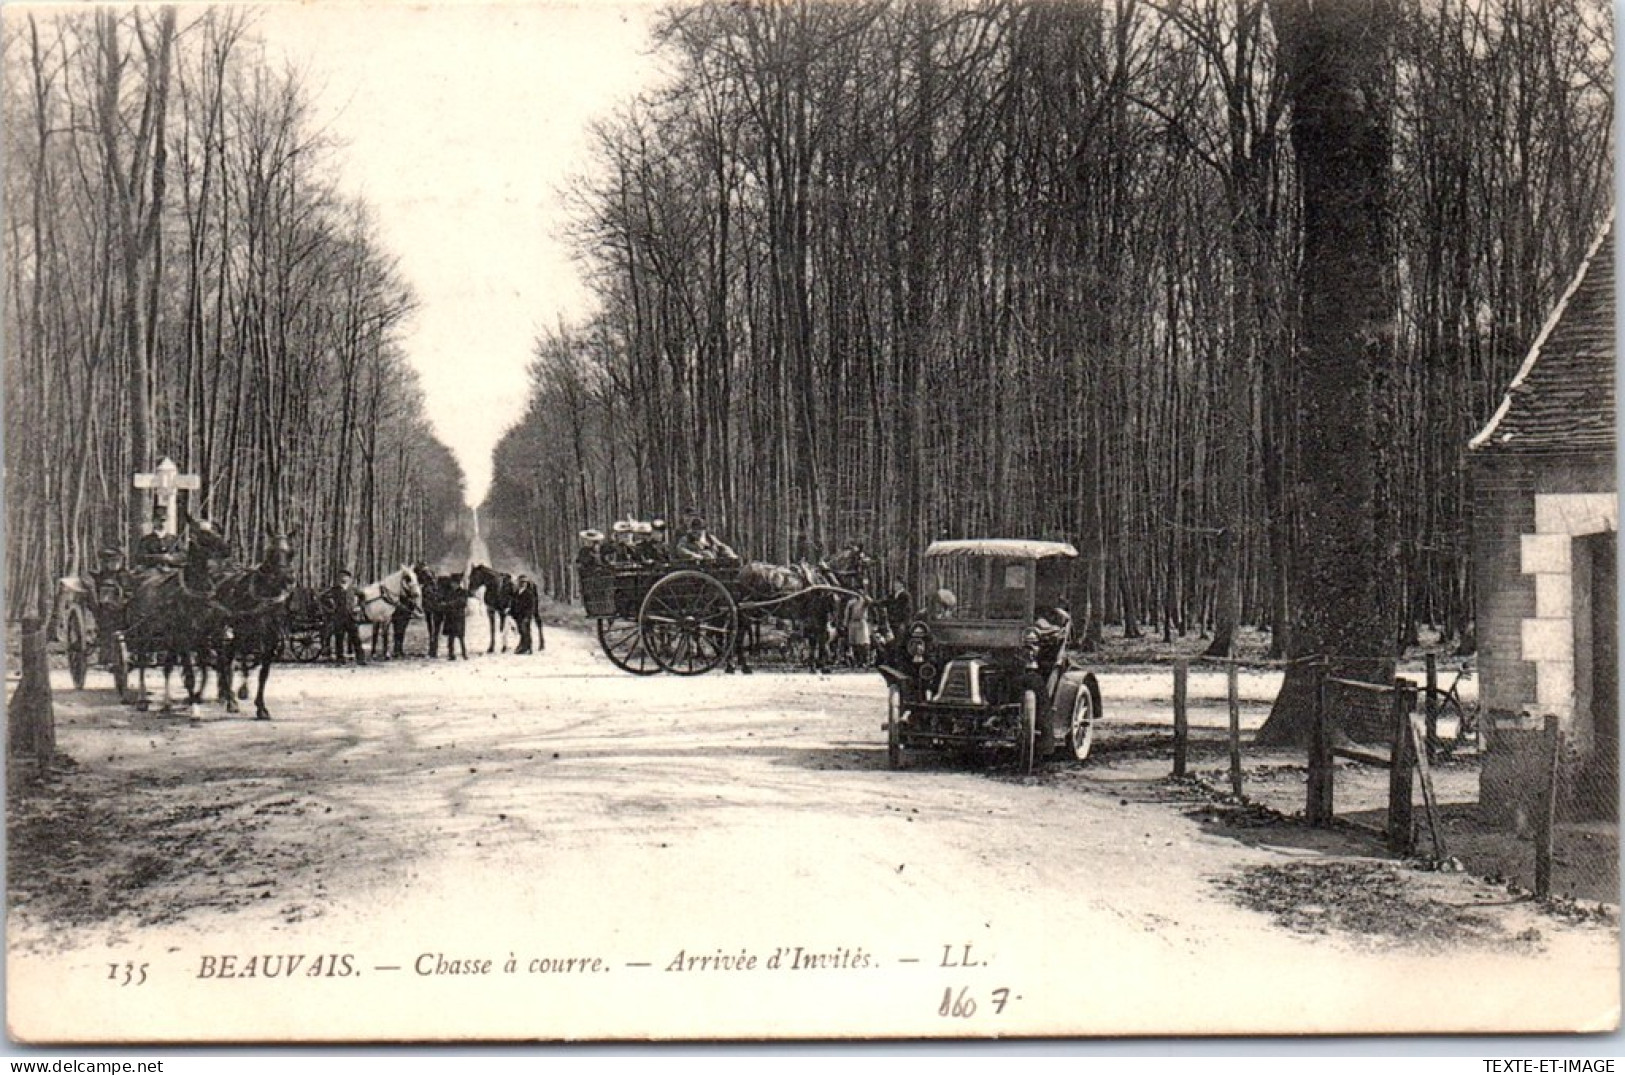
(1531, 595)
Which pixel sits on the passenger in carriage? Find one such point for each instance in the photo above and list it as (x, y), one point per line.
(698, 544)
(156, 548)
(645, 547)
(619, 552)
(110, 585)
(591, 554)
(660, 542)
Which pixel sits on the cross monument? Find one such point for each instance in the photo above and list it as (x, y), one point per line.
(164, 481)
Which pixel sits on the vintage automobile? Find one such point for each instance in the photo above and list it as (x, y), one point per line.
(986, 663)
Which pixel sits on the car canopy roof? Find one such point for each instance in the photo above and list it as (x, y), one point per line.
(1007, 548)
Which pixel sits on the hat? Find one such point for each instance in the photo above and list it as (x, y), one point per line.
(111, 550)
(592, 535)
(642, 528)
(346, 574)
(658, 524)
(622, 526)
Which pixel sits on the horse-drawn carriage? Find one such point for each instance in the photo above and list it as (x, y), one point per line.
(208, 612)
(304, 635)
(667, 617)
(689, 617)
(88, 618)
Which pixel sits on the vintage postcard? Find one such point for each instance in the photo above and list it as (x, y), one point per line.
(834, 521)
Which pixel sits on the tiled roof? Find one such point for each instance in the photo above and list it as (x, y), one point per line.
(1562, 399)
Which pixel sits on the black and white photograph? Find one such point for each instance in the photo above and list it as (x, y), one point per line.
(809, 521)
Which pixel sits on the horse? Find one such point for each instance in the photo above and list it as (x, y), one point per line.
(808, 595)
(255, 601)
(382, 602)
(445, 603)
(498, 601)
(171, 615)
(431, 609)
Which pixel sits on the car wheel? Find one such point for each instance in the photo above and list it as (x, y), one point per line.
(894, 728)
(1027, 732)
(1080, 731)
(78, 649)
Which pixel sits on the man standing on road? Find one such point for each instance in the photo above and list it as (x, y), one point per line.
(343, 602)
(525, 610)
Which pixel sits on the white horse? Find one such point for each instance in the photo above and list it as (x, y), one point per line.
(393, 598)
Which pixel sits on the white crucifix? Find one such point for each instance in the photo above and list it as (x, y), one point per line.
(164, 481)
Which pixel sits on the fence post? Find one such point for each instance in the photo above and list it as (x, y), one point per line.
(1233, 695)
(1401, 772)
(1182, 727)
(1431, 703)
(1546, 811)
(1318, 810)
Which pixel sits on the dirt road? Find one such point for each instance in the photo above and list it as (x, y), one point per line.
(545, 847)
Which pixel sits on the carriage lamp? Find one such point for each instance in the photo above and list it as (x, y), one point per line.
(917, 639)
(1029, 646)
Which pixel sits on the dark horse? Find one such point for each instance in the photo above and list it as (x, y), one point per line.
(445, 607)
(254, 601)
(808, 595)
(498, 601)
(172, 615)
(427, 582)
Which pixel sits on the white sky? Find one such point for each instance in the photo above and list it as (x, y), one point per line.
(462, 123)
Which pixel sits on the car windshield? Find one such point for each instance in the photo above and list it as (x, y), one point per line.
(980, 588)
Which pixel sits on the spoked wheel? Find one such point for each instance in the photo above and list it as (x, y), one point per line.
(304, 646)
(78, 648)
(894, 727)
(1080, 731)
(689, 621)
(622, 642)
(1027, 732)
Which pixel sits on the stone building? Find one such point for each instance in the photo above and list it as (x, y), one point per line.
(1545, 515)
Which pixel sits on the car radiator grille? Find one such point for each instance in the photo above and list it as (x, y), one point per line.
(961, 683)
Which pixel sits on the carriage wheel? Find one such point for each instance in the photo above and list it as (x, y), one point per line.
(622, 642)
(689, 621)
(304, 646)
(78, 648)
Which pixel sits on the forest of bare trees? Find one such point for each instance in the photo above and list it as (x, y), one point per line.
(183, 279)
(883, 271)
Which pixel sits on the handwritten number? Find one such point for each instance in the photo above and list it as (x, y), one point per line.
(960, 1006)
(1000, 998)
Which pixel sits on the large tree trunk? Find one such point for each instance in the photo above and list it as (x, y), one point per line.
(1339, 68)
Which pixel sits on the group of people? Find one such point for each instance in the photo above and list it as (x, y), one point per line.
(159, 548)
(636, 543)
(342, 603)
